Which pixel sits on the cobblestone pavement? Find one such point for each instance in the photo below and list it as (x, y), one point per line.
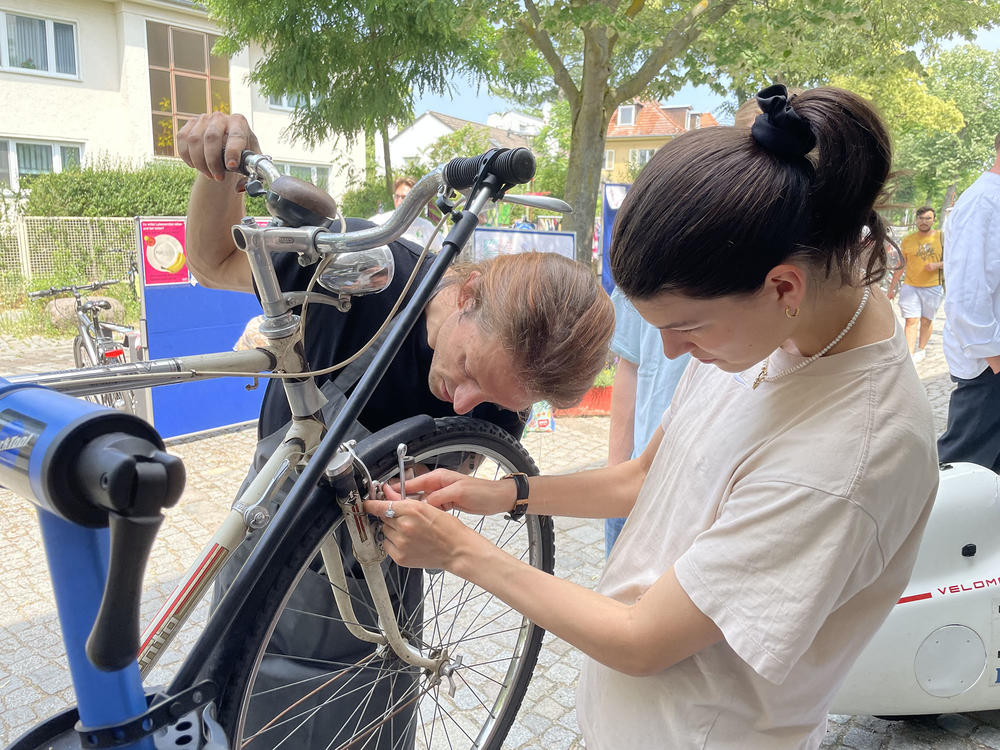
(34, 683)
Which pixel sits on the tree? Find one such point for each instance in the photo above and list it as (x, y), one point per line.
(938, 157)
(599, 55)
(353, 67)
(466, 141)
(551, 149)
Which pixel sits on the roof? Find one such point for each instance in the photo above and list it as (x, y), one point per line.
(496, 136)
(652, 120)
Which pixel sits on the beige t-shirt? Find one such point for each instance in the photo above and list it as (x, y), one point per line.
(792, 515)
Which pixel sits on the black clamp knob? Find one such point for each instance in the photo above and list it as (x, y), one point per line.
(969, 550)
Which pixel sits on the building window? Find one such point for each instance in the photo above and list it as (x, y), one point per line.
(626, 114)
(185, 80)
(317, 175)
(638, 157)
(609, 159)
(21, 160)
(286, 101)
(38, 44)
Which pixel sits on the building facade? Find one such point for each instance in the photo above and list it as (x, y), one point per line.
(637, 129)
(412, 144)
(85, 81)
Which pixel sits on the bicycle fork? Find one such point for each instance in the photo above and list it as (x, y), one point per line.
(370, 555)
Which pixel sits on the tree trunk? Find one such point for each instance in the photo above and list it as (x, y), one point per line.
(949, 198)
(384, 132)
(590, 118)
(583, 173)
(371, 166)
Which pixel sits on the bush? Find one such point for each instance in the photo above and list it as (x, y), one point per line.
(159, 188)
(366, 200)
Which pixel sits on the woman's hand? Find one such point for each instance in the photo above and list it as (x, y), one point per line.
(448, 490)
(418, 535)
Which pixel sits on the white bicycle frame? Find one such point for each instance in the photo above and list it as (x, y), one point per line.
(283, 331)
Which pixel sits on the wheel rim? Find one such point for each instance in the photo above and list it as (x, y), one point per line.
(489, 637)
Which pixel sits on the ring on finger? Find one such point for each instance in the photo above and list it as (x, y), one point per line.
(390, 513)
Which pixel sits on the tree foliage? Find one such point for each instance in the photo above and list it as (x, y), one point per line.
(551, 149)
(466, 141)
(936, 157)
(599, 55)
(354, 67)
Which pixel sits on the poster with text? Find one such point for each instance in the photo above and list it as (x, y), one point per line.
(489, 242)
(161, 244)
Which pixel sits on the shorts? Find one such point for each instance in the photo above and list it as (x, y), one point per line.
(920, 301)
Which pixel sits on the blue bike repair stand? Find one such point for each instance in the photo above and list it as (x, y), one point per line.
(56, 450)
(78, 564)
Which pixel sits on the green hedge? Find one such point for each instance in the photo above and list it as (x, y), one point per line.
(160, 188)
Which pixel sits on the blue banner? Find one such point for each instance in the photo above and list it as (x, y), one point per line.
(611, 199)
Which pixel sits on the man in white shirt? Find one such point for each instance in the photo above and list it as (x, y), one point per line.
(420, 230)
(972, 326)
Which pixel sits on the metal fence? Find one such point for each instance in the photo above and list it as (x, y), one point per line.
(34, 249)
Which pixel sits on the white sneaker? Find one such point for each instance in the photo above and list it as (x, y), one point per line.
(919, 355)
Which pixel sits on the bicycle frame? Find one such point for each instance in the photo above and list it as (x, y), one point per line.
(304, 439)
(305, 447)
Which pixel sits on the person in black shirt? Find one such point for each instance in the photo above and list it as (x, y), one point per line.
(495, 338)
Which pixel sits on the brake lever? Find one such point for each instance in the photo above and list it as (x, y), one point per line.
(543, 202)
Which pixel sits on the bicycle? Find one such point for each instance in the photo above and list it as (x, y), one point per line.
(99, 342)
(429, 686)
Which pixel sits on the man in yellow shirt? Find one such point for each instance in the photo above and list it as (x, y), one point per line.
(922, 291)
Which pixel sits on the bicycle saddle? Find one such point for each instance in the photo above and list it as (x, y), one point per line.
(300, 203)
(100, 304)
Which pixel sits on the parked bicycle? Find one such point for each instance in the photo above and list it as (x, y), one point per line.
(443, 663)
(99, 342)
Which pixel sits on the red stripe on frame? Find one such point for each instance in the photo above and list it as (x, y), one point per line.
(914, 598)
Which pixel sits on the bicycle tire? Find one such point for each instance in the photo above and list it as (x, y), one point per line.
(496, 675)
(122, 400)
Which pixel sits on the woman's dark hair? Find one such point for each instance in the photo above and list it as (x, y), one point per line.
(714, 211)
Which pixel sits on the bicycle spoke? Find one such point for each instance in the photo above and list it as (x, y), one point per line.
(383, 703)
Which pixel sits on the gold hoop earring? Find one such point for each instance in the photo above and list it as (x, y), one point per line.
(791, 314)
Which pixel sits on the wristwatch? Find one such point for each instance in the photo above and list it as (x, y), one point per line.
(521, 503)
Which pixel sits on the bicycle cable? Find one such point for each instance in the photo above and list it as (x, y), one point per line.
(333, 368)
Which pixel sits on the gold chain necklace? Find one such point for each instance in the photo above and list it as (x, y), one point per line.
(762, 376)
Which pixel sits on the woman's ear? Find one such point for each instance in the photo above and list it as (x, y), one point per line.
(468, 293)
(788, 283)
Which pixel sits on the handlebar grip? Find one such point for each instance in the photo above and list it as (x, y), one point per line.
(513, 166)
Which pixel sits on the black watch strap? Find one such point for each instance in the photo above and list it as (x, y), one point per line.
(521, 503)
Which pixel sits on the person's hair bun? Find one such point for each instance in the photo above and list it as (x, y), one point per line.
(780, 129)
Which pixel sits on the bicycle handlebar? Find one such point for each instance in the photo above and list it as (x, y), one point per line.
(72, 289)
(514, 166)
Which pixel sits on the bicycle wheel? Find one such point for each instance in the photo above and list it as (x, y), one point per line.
(285, 690)
(123, 400)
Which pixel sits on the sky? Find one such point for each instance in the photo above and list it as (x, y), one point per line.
(472, 104)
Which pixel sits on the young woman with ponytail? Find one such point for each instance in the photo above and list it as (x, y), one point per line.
(774, 519)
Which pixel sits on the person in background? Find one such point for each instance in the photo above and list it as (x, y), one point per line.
(921, 293)
(972, 323)
(644, 384)
(420, 229)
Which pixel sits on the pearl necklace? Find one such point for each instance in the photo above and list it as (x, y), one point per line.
(762, 377)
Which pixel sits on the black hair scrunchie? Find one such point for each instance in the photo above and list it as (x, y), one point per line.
(780, 129)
